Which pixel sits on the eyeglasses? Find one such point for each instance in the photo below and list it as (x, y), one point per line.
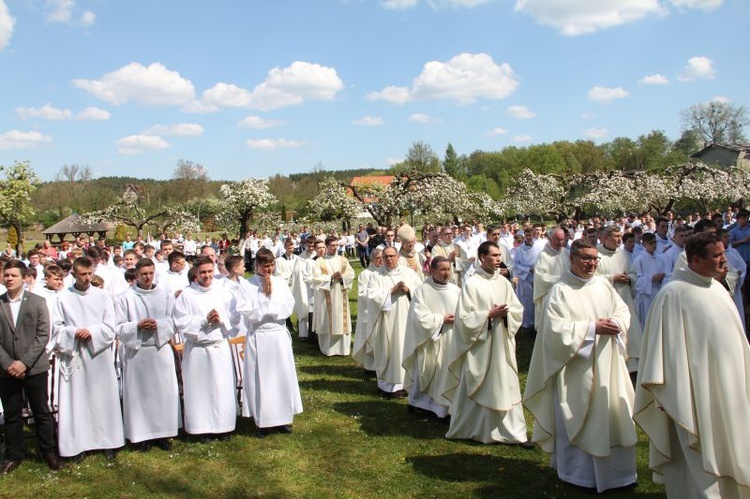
(588, 259)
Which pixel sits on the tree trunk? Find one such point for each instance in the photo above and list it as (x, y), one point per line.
(19, 235)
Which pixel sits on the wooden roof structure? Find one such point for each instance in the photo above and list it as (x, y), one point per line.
(71, 225)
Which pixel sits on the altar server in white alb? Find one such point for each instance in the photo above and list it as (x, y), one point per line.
(389, 294)
(693, 394)
(429, 329)
(151, 401)
(362, 352)
(484, 389)
(272, 395)
(332, 281)
(578, 387)
(302, 273)
(202, 315)
(89, 416)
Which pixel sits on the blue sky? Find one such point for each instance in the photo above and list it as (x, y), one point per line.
(251, 88)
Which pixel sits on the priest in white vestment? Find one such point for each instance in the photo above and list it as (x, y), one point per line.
(494, 234)
(484, 389)
(446, 248)
(616, 268)
(332, 281)
(89, 416)
(736, 274)
(151, 400)
(693, 394)
(202, 315)
(553, 261)
(408, 256)
(578, 387)
(272, 395)
(429, 331)
(651, 271)
(302, 273)
(523, 266)
(362, 351)
(389, 295)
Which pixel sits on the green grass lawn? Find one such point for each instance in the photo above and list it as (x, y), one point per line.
(348, 442)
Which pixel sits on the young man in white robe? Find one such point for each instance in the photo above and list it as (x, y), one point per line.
(615, 266)
(553, 261)
(693, 394)
(175, 279)
(389, 295)
(150, 397)
(302, 273)
(362, 351)
(202, 315)
(332, 281)
(578, 387)
(523, 266)
(429, 329)
(651, 270)
(89, 416)
(272, 396)
(672, 255)
(483, 389)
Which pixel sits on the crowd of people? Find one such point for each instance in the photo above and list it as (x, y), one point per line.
(635, 319)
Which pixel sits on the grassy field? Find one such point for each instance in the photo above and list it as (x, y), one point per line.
(349, 442)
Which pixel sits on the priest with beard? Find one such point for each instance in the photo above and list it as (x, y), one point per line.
(389, 295)
(693, 394)
(429, 329)
(484, 389)
(578, 387)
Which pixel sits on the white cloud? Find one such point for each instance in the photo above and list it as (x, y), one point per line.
(605, 94)
(258, 123)
(93, 114)
(300, 82)
(579, 17)
(422, 118)
(177, 130)
(521, 138)
(654, 79)
(154, 85)
(137, 144)
(697, 4)
(698, 68)
(497, 131)
(88, 19)
(6, 25)
(46, 112)
(596, 133)
(721, 99)
(398, 4)
(369, 121)
(16, 139)
(225, 95)
(456, 3)
(520, 112)
(271, 144)
(465, 78)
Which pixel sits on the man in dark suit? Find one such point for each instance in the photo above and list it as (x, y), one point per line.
(24, 332)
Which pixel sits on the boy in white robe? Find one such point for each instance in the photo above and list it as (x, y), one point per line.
(484, 389)
(175, 278)
(303, 294)
(523, 265)
(651, 270)
(429, 329)
(693, 395)
(89, 416)
(332, 280)
(578, 387)
(151, 401)
(202, 315)
(272, 395)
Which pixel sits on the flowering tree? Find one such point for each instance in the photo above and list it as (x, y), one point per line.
(15, 197)
(334, 202)
(129, 212)
(242, 200)
(544, 194)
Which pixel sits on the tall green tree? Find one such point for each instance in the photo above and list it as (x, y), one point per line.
(717, 122)
(16, 188)
(452, 163)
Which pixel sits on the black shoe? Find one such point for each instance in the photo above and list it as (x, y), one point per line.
(206, 439)
(163, 444)
(53, 460)
(110, 454)
(224, 437)
(261, 432)
(399, 394)
(9, 465)
(142, 446)
(287, 429)
(527, 445)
